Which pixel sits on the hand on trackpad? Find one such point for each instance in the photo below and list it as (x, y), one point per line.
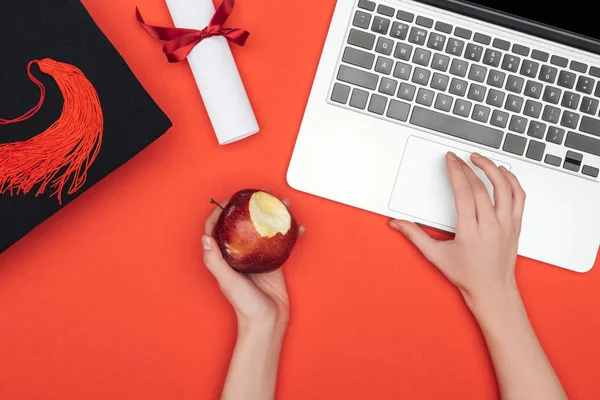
(423, 188)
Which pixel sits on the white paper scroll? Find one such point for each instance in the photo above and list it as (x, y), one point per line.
(216, 74)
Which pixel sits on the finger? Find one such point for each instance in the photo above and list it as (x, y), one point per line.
(213, 217)
(463, 195)
(519, 196)
(483, 204)
(416, 236)
(226, 276)
(301, 230)
(502, 189)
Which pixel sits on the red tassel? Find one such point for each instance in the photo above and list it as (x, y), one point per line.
(65, 151)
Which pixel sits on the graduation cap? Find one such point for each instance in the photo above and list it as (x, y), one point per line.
(71, 111)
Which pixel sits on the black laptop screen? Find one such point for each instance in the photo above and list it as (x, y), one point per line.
(576, 16)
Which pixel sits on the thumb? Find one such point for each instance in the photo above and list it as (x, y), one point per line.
(416, 235)
(226, 276)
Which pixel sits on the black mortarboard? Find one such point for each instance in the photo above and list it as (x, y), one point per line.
(94, 117)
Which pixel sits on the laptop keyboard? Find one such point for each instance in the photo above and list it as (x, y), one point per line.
(521, 101)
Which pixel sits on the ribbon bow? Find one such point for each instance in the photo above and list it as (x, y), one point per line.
(181, 41)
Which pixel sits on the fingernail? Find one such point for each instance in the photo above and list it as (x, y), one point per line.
(451, 156)
(476, 155)
(395, 224)
(503, 169)
(206, 242)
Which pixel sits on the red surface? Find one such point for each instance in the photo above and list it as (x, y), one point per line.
(109, 298)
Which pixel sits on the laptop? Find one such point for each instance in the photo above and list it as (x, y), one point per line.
(400, 83)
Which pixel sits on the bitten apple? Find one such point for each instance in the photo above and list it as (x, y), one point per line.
(255, 232)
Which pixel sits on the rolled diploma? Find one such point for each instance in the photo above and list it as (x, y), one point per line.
(216, 74)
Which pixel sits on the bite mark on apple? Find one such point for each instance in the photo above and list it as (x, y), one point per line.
(269, 215)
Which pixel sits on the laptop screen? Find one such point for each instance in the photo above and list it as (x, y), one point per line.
(577, 16)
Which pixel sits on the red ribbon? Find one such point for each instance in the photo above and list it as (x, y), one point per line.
(181, 41)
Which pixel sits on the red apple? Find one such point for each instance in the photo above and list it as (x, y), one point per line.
(255, 232)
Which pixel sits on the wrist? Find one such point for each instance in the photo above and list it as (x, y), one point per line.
(273, 326)
(491, 300)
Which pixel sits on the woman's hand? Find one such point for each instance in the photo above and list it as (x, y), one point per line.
(480, 260)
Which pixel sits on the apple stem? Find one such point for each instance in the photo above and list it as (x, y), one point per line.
(213, 201)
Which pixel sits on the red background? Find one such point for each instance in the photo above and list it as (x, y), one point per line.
(110, 299)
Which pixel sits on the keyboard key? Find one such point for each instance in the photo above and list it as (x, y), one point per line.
(529, 68)
(462, 33)
(536, 130)
(440, 62)
(532, 109)
(514, 84)
(425, 97)
(473, 52)
(402, 71)
(436, 41)
(569, 120)
(570, 100)
(560, 61)
(386, 10)
(481, 38)
(533, 89)
(399, 30)
(443, 102)
(499, 118)
(407, 91)
(358, 57)
(551, 114)
(590, 125)
(566, 79)
(403, 51)
(357, 77)
(597, 92)
(422, 57)
(555, 135)
(340, 93)
(458, 68)
(552, 160)
(455, 47)
(492, 57)
(359, 99)
(501, 44)
(510, 63)
(377, 104)
(477, 73)
(459, 128)
(540, 55)
(384, 65)
(361, 39)
(589, 105)
(421, 76)
(481, 113)
(520, 49)
(514, 103)
(405, 16)
(462, 108)
(590, 171)
(595, 71)
(514, 144)
(366, 4)
(398, 110)
(585, 84)
(384, 46)
(578, 66)
(573, 161)
(417, 36)
(517, 124)
(495, 98)
(423, 21)
(443, 27)
(496, 78)
(477, 92)
(458, 87)
(440, 81)
(535, 151)
(552, 94)
(548, 74)
(388, 86)
(380, 25)
(361, 19)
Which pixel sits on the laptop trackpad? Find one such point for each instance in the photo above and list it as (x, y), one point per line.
(423, 188)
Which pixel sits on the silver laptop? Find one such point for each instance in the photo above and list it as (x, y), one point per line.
(401, 82)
